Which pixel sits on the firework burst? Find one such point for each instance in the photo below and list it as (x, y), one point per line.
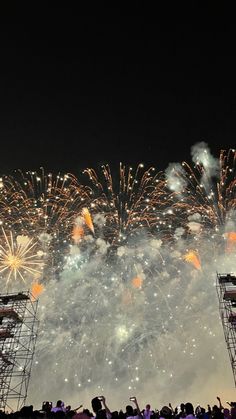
(135, 295)
(135, 202)
(18, 258)
(204, 196)
(41, 202)
(43, 206)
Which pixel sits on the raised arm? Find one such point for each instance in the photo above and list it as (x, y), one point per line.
(170, 406)
(220, 405)
(108, 412)
(137, 406)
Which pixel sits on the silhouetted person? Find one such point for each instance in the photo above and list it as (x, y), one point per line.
(100, 413)
(165, 412)
(189, 411)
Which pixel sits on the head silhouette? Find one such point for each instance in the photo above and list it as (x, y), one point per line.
(96, 404)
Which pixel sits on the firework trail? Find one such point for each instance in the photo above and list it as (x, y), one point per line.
(134, 309)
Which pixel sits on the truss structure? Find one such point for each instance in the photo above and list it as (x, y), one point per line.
(226, 290)
(18, 333)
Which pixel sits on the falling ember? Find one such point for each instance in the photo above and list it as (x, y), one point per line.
(231, 241)
(37, 290)
(87, 219)
(77, 234)
(193, 258)
(137, 282)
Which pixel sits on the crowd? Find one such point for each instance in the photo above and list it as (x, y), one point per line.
(100, 410)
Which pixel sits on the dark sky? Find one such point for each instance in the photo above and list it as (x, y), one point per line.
(83, 87)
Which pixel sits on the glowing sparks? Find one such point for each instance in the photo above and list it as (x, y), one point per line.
(17, 257)
(193, 258)
(117, 272)
(208, 189)
(42, 203)
(87, 219)
(129, 205)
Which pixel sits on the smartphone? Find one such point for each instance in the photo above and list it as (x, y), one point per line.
(132, 398)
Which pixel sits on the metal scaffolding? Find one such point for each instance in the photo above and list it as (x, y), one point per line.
(226, 290)
(18, 333)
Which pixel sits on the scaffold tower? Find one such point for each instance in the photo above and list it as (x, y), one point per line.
(226, 290)
(18, 333)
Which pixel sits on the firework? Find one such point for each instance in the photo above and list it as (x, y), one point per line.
(18, 257)
(87, 219)
(133, 203)
(206, 192)
(143, 313)
(193, 258)
(43, 206)
(41, 202)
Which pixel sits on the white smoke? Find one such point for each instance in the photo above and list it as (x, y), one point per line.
(22, 240)
(195, 217)
(201, 154)
(99, 220)
(175, 177)
(194, 227)
(100, 334)
(45, 238)
(79, 221)
(179, 232)
(102, 246)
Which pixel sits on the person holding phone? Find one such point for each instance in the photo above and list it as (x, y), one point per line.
(100, 413)
(130, 413)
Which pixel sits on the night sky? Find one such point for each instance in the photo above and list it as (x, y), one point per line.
(83, 87)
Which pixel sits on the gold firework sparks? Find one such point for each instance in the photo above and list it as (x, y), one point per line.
(193, 258)
(87, 219)
(39, 202)
(134, 202)
(206, 199)
(18, 257)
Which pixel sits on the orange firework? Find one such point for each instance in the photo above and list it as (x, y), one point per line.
(37, 289)
(137, 282)
(78, 233)
(87, 219)
(231, 241)
(193, 258)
